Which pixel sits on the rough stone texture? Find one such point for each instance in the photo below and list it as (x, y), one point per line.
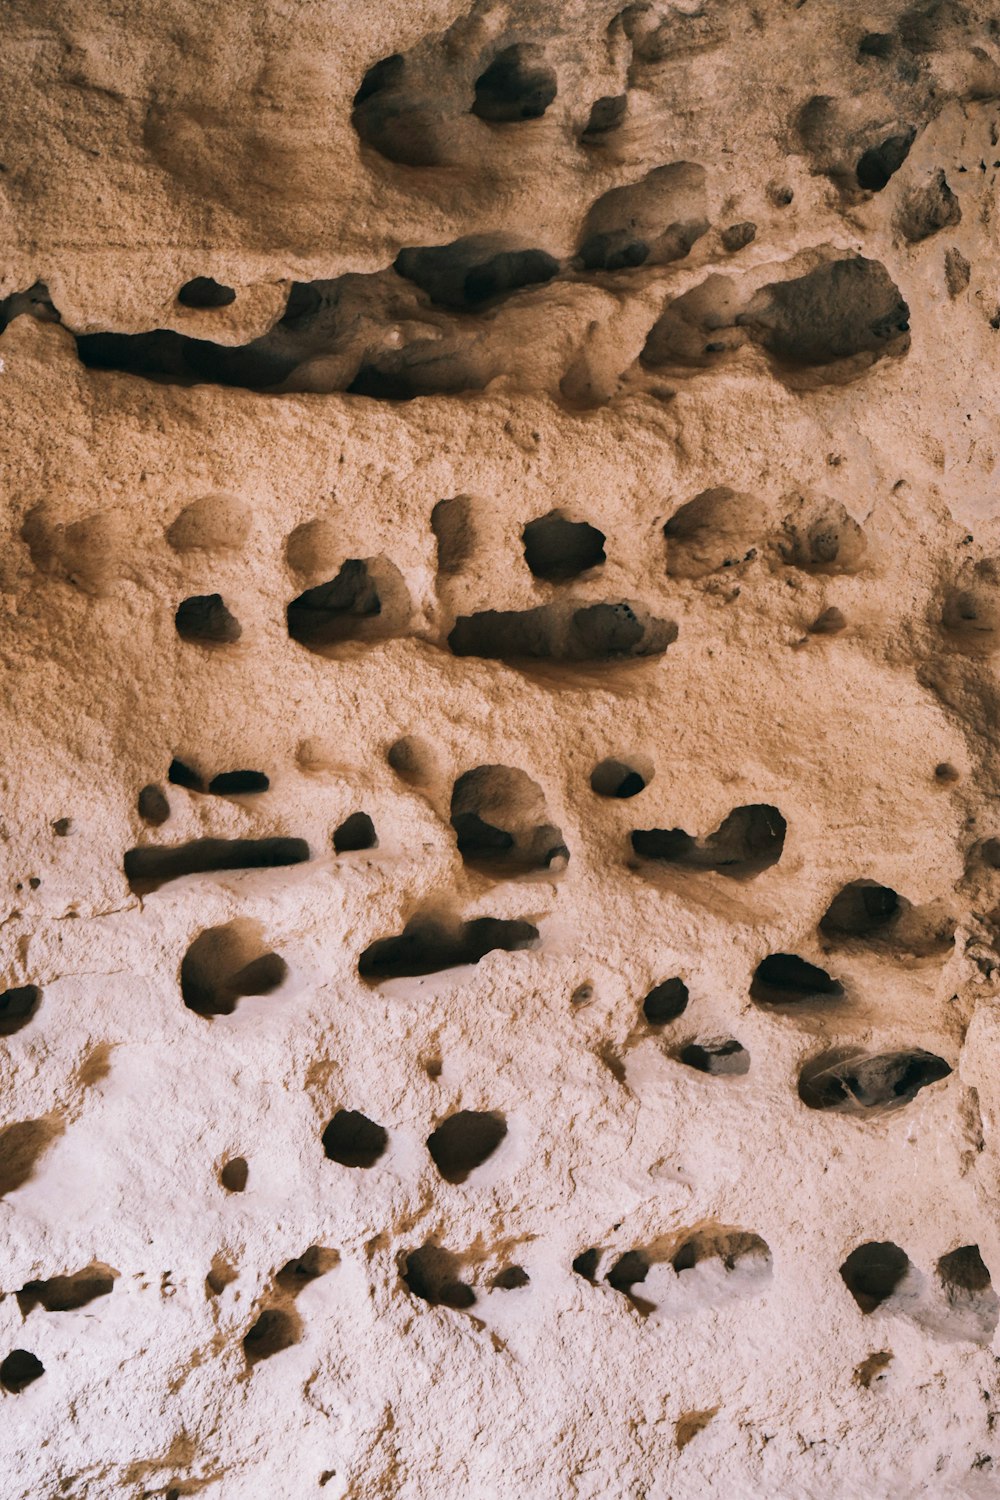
(719, 281)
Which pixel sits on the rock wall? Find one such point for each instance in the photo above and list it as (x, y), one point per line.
(499, 791)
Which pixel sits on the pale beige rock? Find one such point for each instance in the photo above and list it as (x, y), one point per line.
(789, 448)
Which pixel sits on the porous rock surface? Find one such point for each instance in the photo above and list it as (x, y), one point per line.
(488, 1012)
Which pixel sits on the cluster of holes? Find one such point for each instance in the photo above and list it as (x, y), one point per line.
(458, 1146)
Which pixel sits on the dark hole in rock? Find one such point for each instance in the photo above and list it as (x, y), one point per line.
(517, 85)
(61, 827)
(427, 946)
(841, 310)
(17, 1006)
(19, 1369)
(180, 774)
(356, 832)
(367, 601)
(148, 867)
(585, 1264)
(861, 909)
(238, 783)
(275, 1329)
(879, 163)
(606, 115)
(557, 549)
(738, 236)
(225, 963)
(858, 1082)
(464, 1141)
(616, 778)
(387, 73)
(510, 1279)
(235, 1174)
(725, 1057)
(749, 840)
(873, 1271)
(34, 303)
(413, 759)
(205, 291)
(153, 806)
(786, 979)
(204, 620)
(66, 1293)
(433, 1274)
(946, 772)
(876, 44)
(454, 530)
(474, 270)
(353, 1140)
(964, 1270)
(729, 1246)
(562, 631)
(665, 1002)
(499, 816)
(628, 1270)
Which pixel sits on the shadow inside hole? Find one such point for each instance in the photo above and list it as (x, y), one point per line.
(557, 549)
(20, 1369)
(786, 979)
(463, 1141)
(433, 1274)
(500, 820)
(150, 866)
(873, 1271)
(428, 946)
(204, 620)
(357, 832)
(563, 631)
(235, 1174)
(850, 1082)
(66, 1293)
(861, 909)
(749, 840)
(510, 1279)
(353, 1140)
(665, 1002)
(225, 963)
(17, 1007)
(276, 1328)
(722, 1057)
(618, 778)
(367, 601)
(239, 783)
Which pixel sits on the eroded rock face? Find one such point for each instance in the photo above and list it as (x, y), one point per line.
(499, 588)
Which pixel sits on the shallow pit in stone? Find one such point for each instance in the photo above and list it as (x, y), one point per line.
(620, 778)
(224, 964)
